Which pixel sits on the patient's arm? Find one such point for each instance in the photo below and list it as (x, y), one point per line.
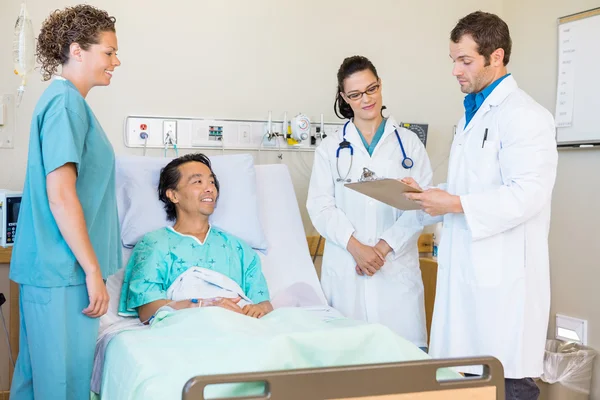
(255, 285)
(228, 304)
(148, 310)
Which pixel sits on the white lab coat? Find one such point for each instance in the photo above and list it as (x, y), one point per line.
(493, 284)
(394, 295)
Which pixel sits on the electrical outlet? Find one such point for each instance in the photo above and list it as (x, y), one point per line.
(245, 134)
(571, 329)
(170, 132)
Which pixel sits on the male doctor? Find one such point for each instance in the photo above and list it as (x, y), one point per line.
(493, 289)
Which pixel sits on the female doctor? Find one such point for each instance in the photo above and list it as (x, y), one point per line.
(371, 263)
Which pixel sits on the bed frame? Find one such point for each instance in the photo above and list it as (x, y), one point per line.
(393, 381)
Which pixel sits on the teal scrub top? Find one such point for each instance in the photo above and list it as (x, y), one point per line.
(378, 134)
(163, 255)
(65, 130)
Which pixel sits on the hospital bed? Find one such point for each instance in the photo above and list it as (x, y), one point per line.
(292, 281)
(391, 381)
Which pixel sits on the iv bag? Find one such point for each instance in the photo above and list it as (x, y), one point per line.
(23, 49)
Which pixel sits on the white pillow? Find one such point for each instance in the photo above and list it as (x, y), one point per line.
(236, 211)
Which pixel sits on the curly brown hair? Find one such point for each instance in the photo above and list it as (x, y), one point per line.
(80, 24)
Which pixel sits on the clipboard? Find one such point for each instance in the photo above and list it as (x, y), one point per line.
(388, 191)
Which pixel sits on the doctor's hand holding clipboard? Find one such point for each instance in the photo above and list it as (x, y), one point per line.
(433, 201)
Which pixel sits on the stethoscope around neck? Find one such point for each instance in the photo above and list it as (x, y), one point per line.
(407, 162)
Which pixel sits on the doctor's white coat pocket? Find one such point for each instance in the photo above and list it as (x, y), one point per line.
(485, 164)
(487, 262)
(478, 263)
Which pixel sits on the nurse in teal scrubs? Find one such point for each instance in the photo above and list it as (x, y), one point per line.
(68, 239)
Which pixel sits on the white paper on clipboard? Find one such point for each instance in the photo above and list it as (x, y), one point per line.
(388, 191)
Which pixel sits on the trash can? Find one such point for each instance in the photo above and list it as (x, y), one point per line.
(568, 370)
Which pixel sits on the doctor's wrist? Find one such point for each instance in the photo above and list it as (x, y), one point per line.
(457, 205)
(352, 242)
(384, 247)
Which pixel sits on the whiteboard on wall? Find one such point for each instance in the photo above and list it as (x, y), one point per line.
(577, 112)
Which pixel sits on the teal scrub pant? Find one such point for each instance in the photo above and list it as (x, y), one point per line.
(56, 345)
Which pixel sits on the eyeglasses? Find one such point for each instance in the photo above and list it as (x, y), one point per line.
(371, 90)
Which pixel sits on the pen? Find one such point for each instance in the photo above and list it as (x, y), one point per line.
(484, 137)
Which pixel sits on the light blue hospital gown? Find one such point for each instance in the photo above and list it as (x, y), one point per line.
(163, 255)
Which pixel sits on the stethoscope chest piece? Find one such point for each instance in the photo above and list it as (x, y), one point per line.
(367, 175)
(408, 163)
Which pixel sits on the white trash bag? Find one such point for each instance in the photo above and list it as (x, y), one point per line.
(569, 364)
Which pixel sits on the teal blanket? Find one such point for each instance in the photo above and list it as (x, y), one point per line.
(156, 363)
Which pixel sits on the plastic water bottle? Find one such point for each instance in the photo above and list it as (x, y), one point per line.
(23, 49)
(437, 235)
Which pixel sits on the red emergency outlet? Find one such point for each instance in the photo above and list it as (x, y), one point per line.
(143, 127)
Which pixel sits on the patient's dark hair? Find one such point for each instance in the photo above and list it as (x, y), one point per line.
(170, 176)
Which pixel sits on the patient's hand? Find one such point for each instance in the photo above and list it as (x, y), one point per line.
(258, 310)
(228, 304)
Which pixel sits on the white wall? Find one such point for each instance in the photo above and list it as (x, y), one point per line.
(239, 59)
(575, 271)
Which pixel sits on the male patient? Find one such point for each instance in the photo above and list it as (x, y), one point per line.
(189, 190)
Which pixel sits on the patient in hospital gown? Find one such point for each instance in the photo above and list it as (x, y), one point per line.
(189, 189)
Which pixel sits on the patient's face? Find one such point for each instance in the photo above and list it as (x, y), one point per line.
(196, 191)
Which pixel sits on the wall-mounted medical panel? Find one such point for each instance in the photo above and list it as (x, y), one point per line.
(190, 133)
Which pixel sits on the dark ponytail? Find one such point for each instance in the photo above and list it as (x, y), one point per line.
(350, 66)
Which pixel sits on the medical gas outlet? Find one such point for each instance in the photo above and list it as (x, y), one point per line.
(300, 127)
(169, 132)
